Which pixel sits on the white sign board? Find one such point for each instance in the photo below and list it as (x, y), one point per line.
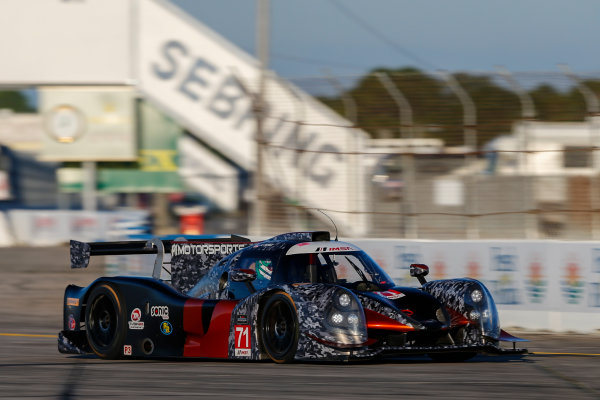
(88, 123)
(66, 42)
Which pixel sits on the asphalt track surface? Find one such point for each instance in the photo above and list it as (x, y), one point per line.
(32, 281)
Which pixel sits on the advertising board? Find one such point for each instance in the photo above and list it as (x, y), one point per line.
(552, 285)
(88, 123)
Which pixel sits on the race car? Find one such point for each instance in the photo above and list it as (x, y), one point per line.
(295, 297)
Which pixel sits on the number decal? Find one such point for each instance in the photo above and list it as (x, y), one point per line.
(242, 340)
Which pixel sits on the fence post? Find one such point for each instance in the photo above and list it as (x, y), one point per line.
(350, 112)
(408, 202)
(527, 115)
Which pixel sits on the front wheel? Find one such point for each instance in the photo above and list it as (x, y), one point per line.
(105, 321)
(279, 328)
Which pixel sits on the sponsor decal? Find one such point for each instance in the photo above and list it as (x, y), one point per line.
(205, 248)
(71, 322)
(242, 340)
(536, 284)
(264, 269)
(73, 301)
(241, 319)
(504, 263)
(473, 269)
(503, 259)
(391, 294)
(504, 290)
(572, 284)
(159, 311)
(166, 328)
(596, 260)
(136, 316)
(594, 287)
(127, 350)
(439, 268)
(303, 244)
(342, 248)
(594, 294)
(404, 256)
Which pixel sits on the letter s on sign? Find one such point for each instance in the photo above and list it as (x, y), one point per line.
(168, 50)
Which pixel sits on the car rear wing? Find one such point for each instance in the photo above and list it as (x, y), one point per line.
(178, 248)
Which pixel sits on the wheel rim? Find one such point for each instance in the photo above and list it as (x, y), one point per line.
(279, 329)
(103, 322)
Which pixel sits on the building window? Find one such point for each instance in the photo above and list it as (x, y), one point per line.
(578, 157)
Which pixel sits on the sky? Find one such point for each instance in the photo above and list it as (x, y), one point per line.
(351, 37)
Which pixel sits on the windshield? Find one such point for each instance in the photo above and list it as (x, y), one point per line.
(355, 270)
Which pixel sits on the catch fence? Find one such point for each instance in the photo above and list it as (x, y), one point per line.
(449, 156)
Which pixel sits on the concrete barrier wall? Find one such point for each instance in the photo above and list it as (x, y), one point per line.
(537, 285)
(540, 285)
(56, 227)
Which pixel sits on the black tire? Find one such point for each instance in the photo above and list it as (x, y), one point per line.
(105, 321)
(279, 330)
(451, 357)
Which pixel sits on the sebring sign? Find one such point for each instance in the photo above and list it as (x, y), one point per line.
(197, 77)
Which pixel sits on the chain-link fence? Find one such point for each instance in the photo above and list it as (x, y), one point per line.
(448, 156)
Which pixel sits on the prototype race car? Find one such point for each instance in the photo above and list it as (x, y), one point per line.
(296, 296)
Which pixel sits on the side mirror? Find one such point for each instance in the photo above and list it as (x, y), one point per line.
(242, 275)
(419, 271)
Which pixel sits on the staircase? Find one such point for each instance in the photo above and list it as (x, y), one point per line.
(205, 83)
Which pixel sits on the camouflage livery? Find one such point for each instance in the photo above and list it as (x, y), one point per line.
(297, 296)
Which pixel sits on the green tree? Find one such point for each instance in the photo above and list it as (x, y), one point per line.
(553, 105)
(14, 100)
(438, 113)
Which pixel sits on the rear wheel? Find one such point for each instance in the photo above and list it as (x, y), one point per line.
(105, 322)
(279, 328)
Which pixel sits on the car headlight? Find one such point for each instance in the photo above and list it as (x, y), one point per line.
(353, 319)
(481, 309)
(337, 318)
(345, 318)
(344, 300)
(476, 296)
